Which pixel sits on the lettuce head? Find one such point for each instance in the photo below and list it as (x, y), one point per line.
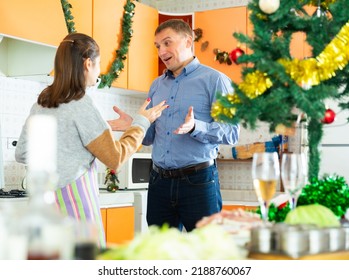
(315, 214)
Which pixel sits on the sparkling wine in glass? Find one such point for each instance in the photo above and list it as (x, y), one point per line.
(294, 170)
(265, 175)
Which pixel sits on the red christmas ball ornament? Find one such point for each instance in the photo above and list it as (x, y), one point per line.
(329, 117)
(235, 54)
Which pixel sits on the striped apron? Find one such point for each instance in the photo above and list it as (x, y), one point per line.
(79, 200)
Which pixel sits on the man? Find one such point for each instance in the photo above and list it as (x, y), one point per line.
(184, 185)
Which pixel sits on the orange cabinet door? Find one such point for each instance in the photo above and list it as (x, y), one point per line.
(82, 13)
(107, 31)
(119, 224)
(35, 20)
(299, 47)
(218, 27)
(104, 219)
(143, 57)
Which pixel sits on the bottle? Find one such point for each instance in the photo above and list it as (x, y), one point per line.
(49, 234)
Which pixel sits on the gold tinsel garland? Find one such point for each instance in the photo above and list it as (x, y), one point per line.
(255, 84)
(307, 72)
(313, 71)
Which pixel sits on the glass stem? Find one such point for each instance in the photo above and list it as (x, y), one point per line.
(264, 211)
(293, 202)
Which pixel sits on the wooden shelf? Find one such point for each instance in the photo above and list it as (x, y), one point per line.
(343, 255)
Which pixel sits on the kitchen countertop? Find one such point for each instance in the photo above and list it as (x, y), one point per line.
(242, 203)
(120, 198)
(115, 199)
(107, 200)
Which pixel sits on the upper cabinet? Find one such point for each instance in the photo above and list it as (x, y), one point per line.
(30, 32)
(35, 20)
(82, 12)
(141, 65)
(107, 31)
(299, 47)
(143, 56)
(39, 26)
(218, 27)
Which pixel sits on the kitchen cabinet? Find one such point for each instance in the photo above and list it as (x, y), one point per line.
(141, 65)
(35, 20)
(117, 212)
(299, 48)
(218, 27)
(82, 12)
(107, 31)
(143, 56)
(118, 224)
(30, 32)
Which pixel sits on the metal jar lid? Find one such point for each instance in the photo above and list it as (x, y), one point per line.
(346, 231)
(318, 241)
(295, 243)
(262, 239)
(336, 239)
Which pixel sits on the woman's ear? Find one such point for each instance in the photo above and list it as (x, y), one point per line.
(87, 64)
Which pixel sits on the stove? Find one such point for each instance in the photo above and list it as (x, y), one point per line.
(13, 193)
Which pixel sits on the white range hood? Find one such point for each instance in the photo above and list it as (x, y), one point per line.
(26, 59)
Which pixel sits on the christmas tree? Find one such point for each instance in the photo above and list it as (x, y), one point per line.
(280, 89)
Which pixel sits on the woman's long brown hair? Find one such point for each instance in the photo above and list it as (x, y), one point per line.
(69, 80)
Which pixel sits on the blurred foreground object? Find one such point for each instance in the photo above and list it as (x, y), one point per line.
(207, 243)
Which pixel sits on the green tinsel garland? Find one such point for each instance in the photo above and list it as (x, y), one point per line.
(117, 65)
(330, 191)
(68, 16)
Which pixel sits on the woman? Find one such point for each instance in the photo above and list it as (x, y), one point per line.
(83, 135)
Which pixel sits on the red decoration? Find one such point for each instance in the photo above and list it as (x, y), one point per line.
(282, 205)
(235, 54)
(329, 117)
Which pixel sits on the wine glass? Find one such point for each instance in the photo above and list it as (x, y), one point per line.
(265, 175)
(294, 171)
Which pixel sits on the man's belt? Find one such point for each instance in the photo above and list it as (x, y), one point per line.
(180, 172)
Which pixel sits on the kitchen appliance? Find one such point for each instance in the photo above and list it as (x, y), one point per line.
(134, 174)
(7, 193)
(334, 146)
(13, 193)
(140, 206)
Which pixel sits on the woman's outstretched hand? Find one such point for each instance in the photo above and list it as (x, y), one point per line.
(125, 120)
(152, 113)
